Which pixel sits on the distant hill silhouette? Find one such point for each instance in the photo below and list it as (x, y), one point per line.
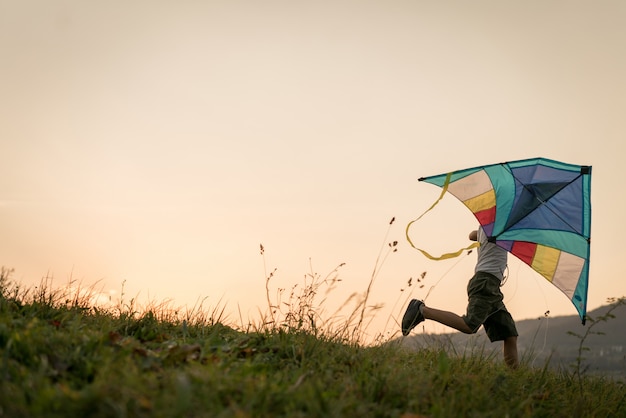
(550, 341)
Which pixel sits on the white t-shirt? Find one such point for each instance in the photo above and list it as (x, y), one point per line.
(491, 257)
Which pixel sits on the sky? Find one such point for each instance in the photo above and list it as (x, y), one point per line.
(151, 147)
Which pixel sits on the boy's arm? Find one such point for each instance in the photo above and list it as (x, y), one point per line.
(473, 236)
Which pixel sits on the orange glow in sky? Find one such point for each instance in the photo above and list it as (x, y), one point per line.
(157, 143)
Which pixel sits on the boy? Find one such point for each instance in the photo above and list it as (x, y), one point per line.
(485, 302)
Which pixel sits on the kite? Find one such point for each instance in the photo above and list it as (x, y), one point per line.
(537, 209)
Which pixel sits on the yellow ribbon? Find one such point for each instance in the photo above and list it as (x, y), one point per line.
(446, 256)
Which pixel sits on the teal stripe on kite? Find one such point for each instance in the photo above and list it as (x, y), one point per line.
(440, 180)
(580, 293)
(562, 240)
(504, 185)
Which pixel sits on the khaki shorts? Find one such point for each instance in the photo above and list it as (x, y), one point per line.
(486, 307)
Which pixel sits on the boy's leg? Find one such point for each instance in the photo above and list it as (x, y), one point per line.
(510, 352)
(478, 309)
(447, 318)
(501, 327)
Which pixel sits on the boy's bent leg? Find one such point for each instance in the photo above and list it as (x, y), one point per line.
(501, 327)
(447, 318)
(510, 352)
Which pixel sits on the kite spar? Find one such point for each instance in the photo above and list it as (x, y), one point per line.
(537, 209)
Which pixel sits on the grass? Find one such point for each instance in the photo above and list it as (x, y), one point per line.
(62, 357)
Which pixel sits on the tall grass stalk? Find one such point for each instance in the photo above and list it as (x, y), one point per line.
(391, 247)
(578, 367)
(303, 307)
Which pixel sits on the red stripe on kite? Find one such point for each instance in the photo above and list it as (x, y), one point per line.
(486, 216)
(525, 251)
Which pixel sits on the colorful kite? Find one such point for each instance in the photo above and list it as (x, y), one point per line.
(537, 209)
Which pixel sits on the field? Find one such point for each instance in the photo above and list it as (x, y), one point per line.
(61, 357)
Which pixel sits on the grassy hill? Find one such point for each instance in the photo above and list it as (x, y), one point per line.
(60, 357)
(554, 341)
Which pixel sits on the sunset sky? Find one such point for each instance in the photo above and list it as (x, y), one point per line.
(159, 143)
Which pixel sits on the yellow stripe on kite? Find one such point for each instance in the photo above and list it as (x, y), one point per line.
(545, 261)
(481, 202)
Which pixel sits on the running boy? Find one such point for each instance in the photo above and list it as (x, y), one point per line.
(485, 302)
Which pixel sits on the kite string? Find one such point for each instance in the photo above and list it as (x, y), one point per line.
(443, 276)
(410, 295)
(446, 256)
(516, 277)
(546, 315)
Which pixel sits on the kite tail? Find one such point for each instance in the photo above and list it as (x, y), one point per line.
(446, 256)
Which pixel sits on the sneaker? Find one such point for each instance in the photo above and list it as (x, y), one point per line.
(412, 316)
